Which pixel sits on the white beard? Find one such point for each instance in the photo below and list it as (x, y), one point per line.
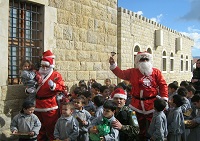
(145, 68)
(43, 72)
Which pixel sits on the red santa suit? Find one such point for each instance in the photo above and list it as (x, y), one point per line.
(46, 107)
(144, 90)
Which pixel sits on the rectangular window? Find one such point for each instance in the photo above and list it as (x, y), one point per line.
(164, 64)
(25, 37)
(186, 65)
(181, 65)
(171, 64)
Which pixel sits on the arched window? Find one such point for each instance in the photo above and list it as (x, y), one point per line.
(186, 63)
(181, 62)
(164, 61)
(136, 50)
(149, 50)
(171, 62)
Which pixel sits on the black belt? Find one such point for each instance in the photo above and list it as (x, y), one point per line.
(26, 139)
(43, 98)
(144, 98)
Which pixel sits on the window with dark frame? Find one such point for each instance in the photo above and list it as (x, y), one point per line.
(187, 64)
(164, 61)
(181, 62)
(171, 62)
(25, 39)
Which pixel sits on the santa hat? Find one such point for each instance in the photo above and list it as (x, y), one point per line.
(47, 62)
(142, 55)
(48, 54)
(119, 93)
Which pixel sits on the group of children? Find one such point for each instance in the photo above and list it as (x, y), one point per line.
(91, 113)
(183, 113)
(75, 123)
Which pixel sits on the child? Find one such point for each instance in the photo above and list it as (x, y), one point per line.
(191, 91)
(83, 117)
(67, 127)
(90, 107)
(30, 79)
(75, 93)
(100, 128)
(107, 82)
(82, 85)
(26, 122)
(172, 90)
(186, 109)
(175, 119)
(158, 126)
(95, 89)
(105, 92)
(98, 102)
(195, 122)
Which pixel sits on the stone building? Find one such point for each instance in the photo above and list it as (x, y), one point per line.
(81, 34)
(171, 50)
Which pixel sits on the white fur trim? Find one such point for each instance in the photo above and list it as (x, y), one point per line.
(45, 63)
(45, 109)
(140, 111)
(165, 98)
(113, 66)
(120, 96)
(53, 88)
(51, 56)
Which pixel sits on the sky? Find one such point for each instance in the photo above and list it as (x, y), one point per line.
(180, 15)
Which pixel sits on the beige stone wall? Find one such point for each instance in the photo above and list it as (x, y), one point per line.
(85, 33)
(135, 30)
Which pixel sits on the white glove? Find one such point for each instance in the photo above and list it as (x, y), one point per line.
(30, 90)
(50, 83)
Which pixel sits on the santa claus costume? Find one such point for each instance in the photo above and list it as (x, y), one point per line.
(147, 83)
(46, 107)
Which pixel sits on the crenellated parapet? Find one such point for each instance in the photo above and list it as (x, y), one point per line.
(125, 12)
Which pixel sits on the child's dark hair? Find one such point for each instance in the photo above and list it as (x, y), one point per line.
(82, 83)
(122, 85)
(26, 105)
(173, 86)
(190, 88)
(109, 104)
(178, 100)
(87, 94)
(83, 99)
(184, 83)
(159, 104)
(77, 91)
(98, 100)
(69, 104)
(175, 82)
(96, 86)
(103, 88)
(196, 98)
(182, 91)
